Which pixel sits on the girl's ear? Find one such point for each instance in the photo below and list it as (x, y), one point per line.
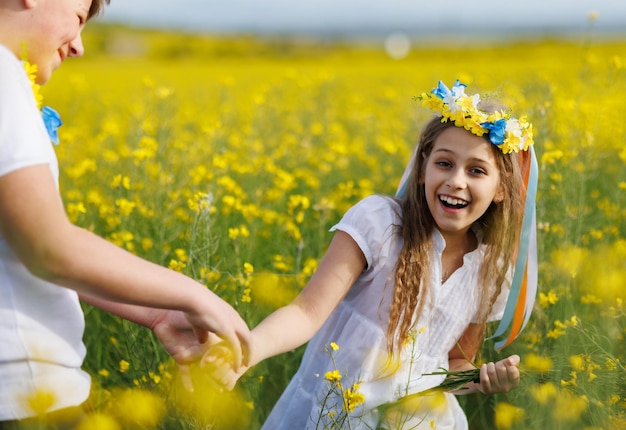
(499, 194)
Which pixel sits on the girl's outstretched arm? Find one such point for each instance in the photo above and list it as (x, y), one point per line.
(293, 325)
(34, 223)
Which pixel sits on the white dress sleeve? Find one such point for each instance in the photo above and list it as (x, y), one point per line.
(371, 223)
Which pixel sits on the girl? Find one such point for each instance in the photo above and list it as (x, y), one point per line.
(408, 284)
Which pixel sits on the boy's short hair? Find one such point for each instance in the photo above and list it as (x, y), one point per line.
(96, 7)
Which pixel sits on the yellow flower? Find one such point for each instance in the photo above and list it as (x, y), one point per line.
(589, 299)
(138, 408)
(31, 71)
(569, 407)
(573, 382)
(41, 401)
(181, 255)
(177, 266)
(333, 376)
(156, 378)
(506, 415)
(548, 299)
(537, 363)
(98, 421)
(334, 346)
(248, 268)
(245, 298)
(577, 362)
(351, 399)
(124, 366)
(544, 393)
(120, 181)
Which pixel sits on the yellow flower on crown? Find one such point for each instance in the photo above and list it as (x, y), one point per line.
(507, 133)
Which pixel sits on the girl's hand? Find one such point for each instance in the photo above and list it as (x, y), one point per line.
(181, 341)
(212, 315)
(218, 364)
(500, 377)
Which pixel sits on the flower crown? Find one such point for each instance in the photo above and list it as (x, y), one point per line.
(507, 133)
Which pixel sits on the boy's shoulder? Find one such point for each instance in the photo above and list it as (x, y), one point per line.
(11, 65)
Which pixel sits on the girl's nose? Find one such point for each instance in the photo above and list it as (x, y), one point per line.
(456, 179)
(76, 48)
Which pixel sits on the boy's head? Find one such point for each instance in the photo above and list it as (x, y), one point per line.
(46, 32)
(96, 7)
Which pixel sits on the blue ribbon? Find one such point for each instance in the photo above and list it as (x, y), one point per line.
(526, 237)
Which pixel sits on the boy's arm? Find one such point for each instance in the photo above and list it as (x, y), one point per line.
(34, 223)
(175, 333)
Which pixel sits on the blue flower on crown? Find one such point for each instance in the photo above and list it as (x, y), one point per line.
(496, 129)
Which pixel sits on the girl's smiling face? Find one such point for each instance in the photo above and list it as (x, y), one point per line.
(461, 180)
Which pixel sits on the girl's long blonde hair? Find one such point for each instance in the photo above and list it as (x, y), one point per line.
(499, 225)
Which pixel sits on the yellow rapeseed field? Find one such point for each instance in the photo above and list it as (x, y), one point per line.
(229, 158)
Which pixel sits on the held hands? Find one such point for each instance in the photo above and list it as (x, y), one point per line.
(181, 341)
(218, 317)
(187, 343)
(218, 364)
(499, 377)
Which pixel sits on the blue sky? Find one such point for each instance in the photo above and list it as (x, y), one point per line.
(354, 16)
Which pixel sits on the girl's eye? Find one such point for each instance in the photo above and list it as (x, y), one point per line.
(477, 171)
(443, 163)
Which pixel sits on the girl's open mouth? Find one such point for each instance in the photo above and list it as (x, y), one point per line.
(453, 203)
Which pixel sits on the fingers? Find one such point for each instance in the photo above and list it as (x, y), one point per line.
(218, 364)
(185, 376)
(236, 350)
(202, 335)
(500, 377)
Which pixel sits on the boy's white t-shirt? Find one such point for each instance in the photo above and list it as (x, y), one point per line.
(41, 324)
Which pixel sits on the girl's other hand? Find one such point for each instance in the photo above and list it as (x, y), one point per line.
(500, 377)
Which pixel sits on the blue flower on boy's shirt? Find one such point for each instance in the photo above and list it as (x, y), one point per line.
(52, 121)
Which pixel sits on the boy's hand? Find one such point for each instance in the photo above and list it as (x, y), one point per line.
(500, 377)
(181, 341)
(214, 315)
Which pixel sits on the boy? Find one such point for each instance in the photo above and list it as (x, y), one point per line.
(47, 264)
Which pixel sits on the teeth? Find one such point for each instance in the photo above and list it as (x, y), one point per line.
(452, 201)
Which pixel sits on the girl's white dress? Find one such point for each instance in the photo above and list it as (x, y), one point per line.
(358, 327)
